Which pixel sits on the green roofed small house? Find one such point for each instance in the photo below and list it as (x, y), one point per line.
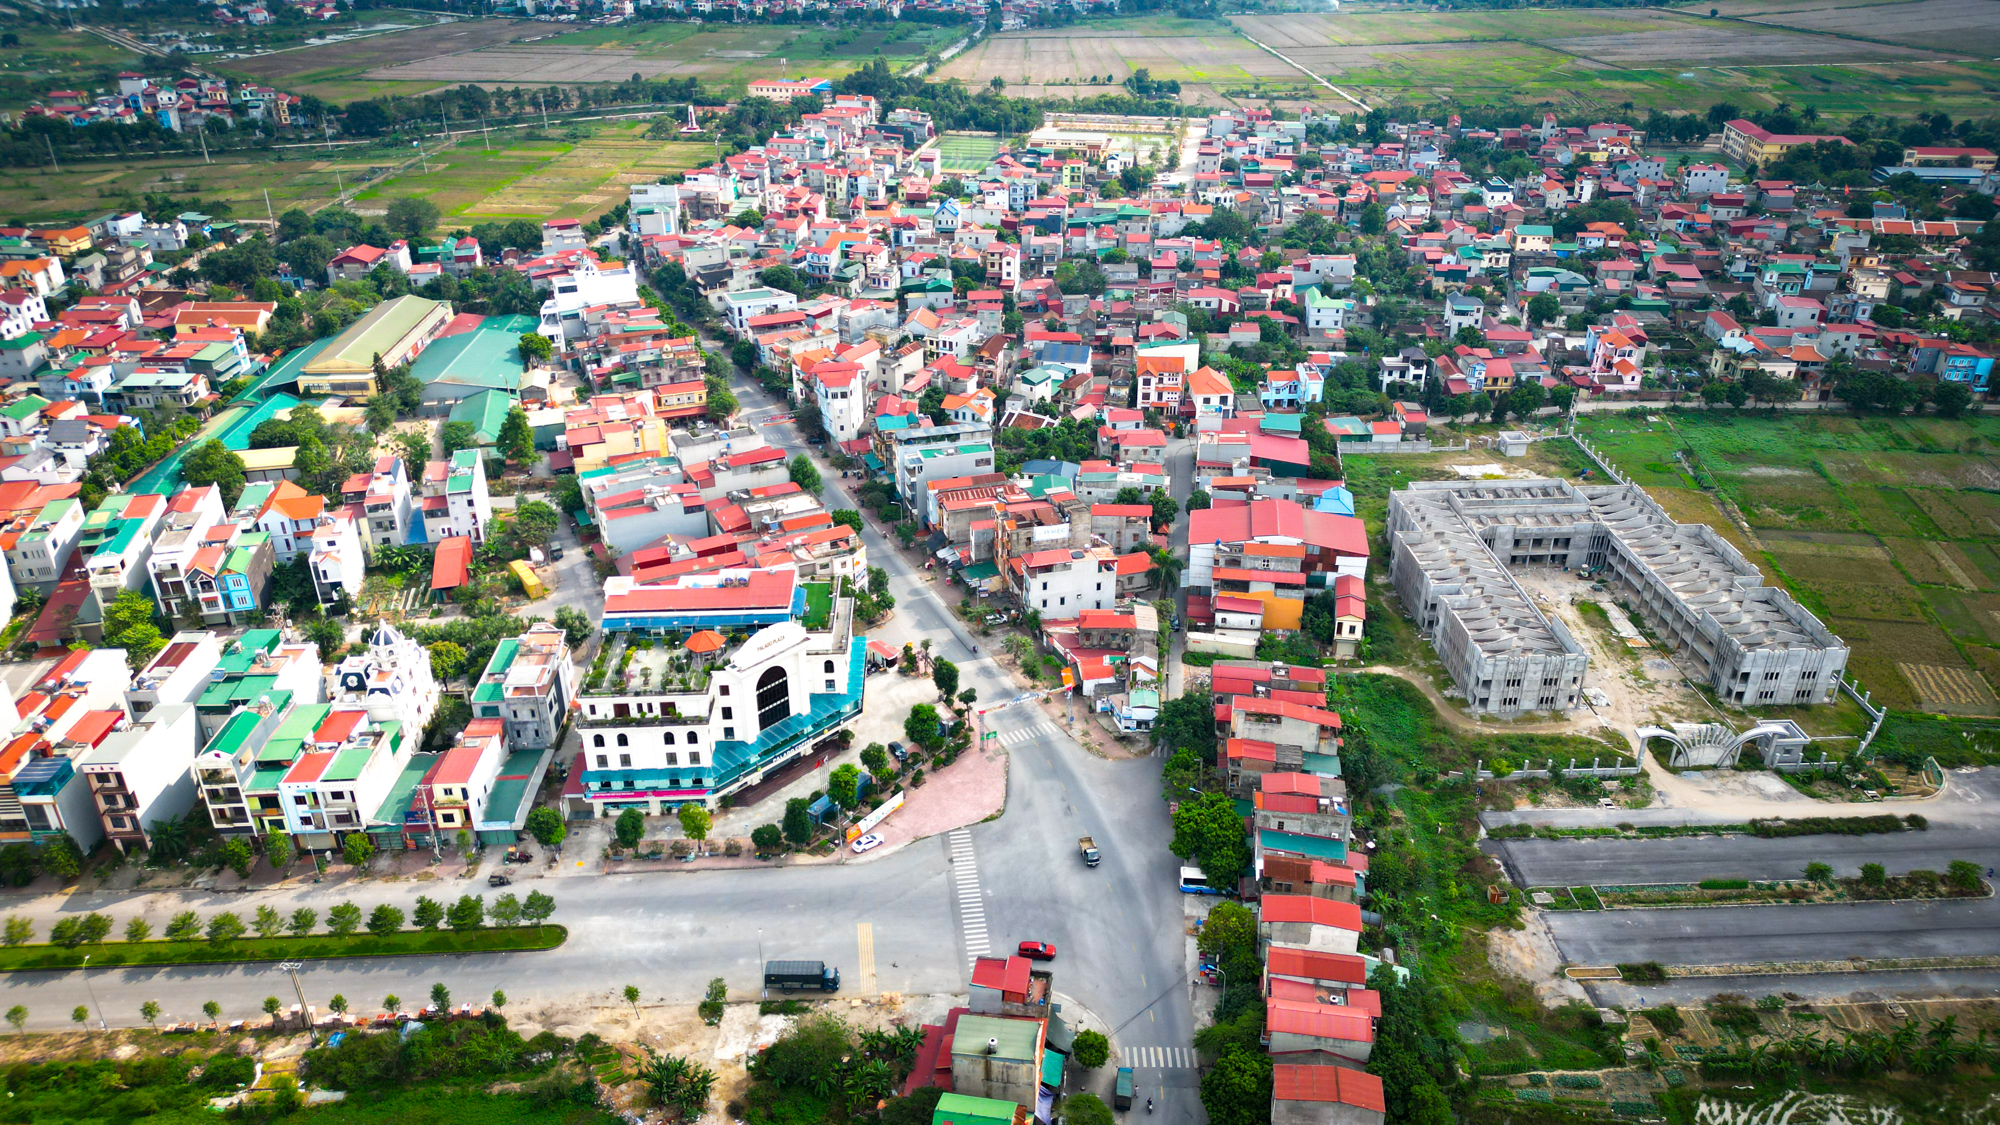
(998, 1057)
(486, 411)
(961, 1109)
(254, 665)
(23, 356)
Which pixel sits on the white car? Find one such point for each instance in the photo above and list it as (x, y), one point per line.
(867, 843)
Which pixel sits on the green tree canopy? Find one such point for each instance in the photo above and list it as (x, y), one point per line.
(214, 463)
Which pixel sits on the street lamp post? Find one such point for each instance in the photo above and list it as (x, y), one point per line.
(760, 958)
(101, 1025)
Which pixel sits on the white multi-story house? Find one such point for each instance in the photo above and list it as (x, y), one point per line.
(336, 559)
(342, 776)
(392, 680)
(40, 542)
(289, 516)
(20, 311)
(842, 403)
(384, 496)
(121, 543)
(455, 498)
(183, 532)
(142, 774)
(180, 673)
(1063, 582)
(742, 305)
(655, 208)
(528, 685)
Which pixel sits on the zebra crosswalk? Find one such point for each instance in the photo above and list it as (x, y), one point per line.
(971, 903)
(1157, 1058)
(1029, 733)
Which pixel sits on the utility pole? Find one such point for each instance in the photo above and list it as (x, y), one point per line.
(267, 211)
(340, 188)
(293, 968)
(201, 130)
(52, 153)
(485, 134)
(101, 1007)
(539, 100)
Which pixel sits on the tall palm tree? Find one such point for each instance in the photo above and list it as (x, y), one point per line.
(1166, 568)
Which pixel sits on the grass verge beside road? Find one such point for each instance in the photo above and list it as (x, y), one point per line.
(407, 943)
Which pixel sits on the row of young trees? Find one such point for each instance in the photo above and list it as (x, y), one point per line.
(469, 912)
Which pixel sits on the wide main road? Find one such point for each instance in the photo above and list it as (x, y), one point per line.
(1118, 928)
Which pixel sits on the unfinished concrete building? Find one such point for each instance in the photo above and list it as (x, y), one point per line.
(1752, 643)
(1503, 653)
(1452, 545)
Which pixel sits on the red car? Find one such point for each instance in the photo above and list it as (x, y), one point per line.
(1038, 951)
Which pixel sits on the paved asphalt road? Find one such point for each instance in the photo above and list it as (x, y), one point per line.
(1117, 927)
(1742, 934)
(1576, 862)
(1961, 827)
(1817, 987)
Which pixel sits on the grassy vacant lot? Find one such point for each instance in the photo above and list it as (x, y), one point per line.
(525, 174)
(510, 939)
(1887, 528)
(334, 70)
(541, 176)
(38, 195)
(1186, 51)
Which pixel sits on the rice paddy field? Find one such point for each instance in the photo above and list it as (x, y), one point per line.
(1889, 529)
(523, 175)
(1593, 59)
(1843, 57)
(338, 71)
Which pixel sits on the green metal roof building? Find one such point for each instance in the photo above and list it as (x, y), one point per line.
(961, 1109)
(487, 411)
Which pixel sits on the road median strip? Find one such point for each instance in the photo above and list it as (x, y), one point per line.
(407, 943)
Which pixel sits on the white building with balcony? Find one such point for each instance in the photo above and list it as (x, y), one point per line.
(142, 774)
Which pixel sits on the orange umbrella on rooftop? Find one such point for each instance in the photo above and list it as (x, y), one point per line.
(708, 640)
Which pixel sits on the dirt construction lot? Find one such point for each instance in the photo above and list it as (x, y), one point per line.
(539, 63)
(1077, 54)
(1608, 38)
(379, 50)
